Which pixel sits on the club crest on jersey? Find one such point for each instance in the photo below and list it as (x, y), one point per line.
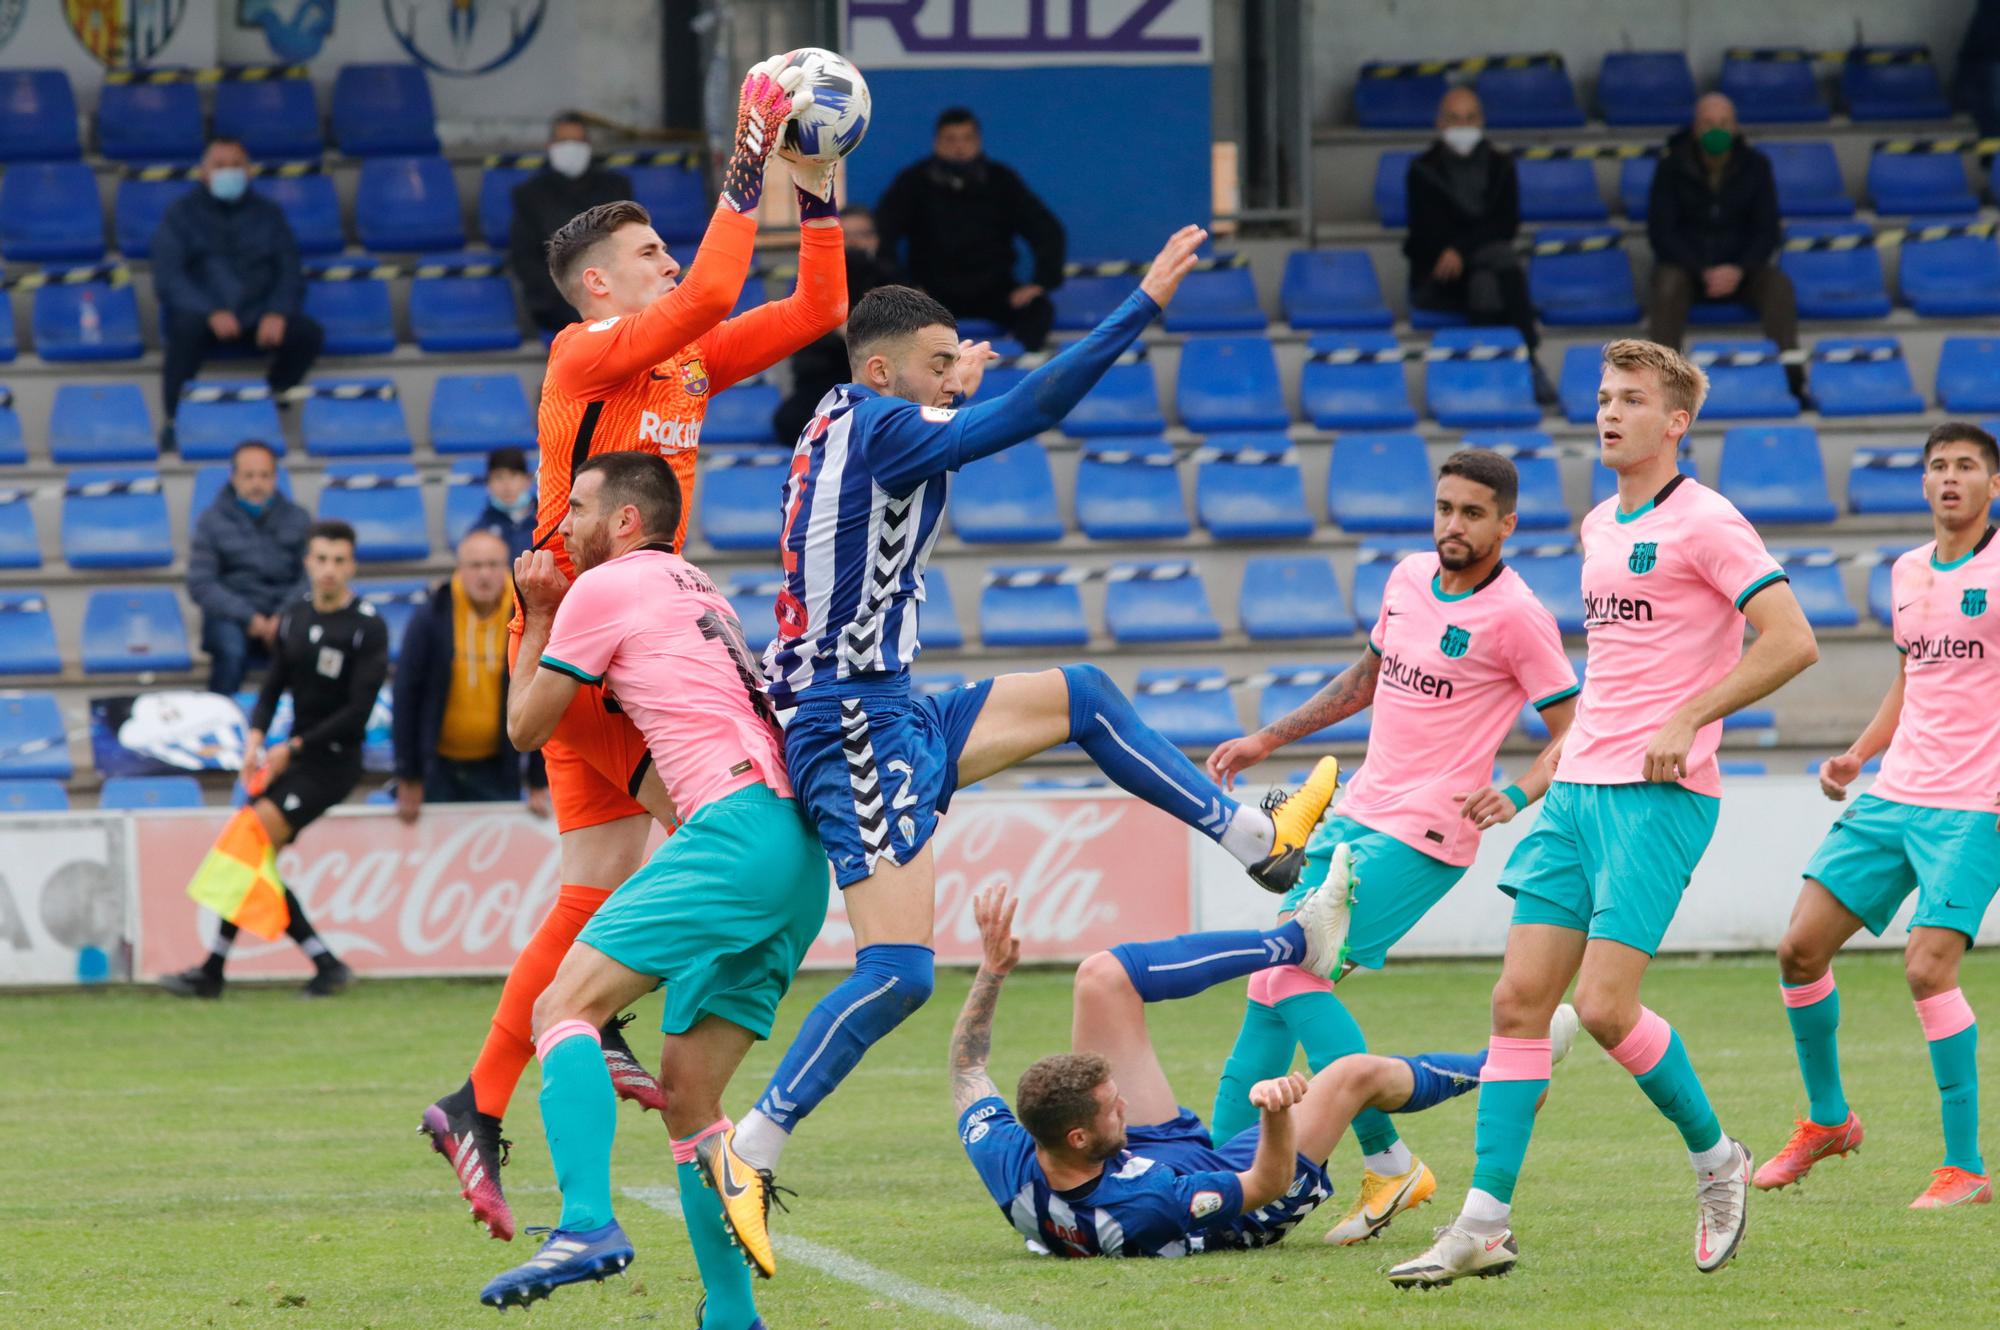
(694, 377)
(1204, 1204)
(1645, 553)
(1972, 603)
(1455, 641)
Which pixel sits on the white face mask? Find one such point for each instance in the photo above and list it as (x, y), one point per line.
(570, 157)
(1462, 139)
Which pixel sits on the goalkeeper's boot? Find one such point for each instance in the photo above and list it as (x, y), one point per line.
(1293, 817)
(629, 1075)
(1809, 1144)
(1954, 1186)
(471, 1143)
(565, 1258)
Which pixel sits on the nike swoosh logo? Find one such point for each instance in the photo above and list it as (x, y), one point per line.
(1702, 1251)
(731, 1188)
(1901, 608)
(1496, 1242)
(1373, 1217)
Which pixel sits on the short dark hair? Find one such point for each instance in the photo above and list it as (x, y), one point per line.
(506, 459)
(570, 247)
(224, 141)
(955, 115)
(1059, 1094)
(647, 482)
(1962, 431)
(561, 118)
(331, 529)
(1483, 466)
(891, 311)
(246, 446)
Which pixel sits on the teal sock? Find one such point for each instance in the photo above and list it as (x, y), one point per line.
(579, 1117)
(1676, 1091)
(724, 1276)
(1505, 1121)
(1815, 1031)
(1954, 1062)
(1263, 1050)
(1322, 1023)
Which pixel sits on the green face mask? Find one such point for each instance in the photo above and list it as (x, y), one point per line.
(1716, 142)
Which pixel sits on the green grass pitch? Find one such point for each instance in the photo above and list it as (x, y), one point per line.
(255, 1162)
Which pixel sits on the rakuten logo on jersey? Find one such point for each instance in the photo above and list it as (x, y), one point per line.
(669, 436)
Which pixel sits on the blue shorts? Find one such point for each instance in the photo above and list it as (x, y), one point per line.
(1394, 886)
(874, 767)
(1183, 1144)
(1881, 850)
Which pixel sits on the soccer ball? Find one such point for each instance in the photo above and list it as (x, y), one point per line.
(833, 125)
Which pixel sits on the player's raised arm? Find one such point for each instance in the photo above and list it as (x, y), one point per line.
(753, 342)
(1349, 692)
(972, 1036)
(1270, 1173)
(539, 691)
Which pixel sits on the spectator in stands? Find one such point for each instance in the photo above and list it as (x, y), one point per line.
(226, 269)
(451, 691)
(824, 363)
(510, 501)
(568, 185)
(246, 560)
(958, 213)
(1465, 210)
(1712, 219)
(1976, 83)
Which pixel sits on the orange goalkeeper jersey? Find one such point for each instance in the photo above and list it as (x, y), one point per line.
(642, 382)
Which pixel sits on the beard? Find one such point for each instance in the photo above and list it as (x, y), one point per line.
(1455, 556)
(1104, 1147)
(587, 549)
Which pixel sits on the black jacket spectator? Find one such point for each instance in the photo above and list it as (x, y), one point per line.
(518, 532)
(210, 255)
(956, 223)
(1462, 203)
(423, 682)
(1694, 224)
(823, 363)
(239, 565)
(542, 203)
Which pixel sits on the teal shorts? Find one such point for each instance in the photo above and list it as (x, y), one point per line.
(1610, 861)
(1880, 851)
(1394, 886)
(723, 912)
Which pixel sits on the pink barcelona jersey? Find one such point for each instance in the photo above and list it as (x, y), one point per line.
(1946, 750)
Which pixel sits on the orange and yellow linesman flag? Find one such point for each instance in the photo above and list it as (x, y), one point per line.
(239, 878)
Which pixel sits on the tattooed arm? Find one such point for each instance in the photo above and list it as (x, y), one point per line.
(1351, 691)
(972, 1037)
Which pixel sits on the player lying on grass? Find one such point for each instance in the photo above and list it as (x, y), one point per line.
(1104, 1161)
(1927, 826)
(722, 913)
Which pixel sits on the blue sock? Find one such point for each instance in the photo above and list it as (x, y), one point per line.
(1441, 1076)
(890, 980)
(1137, 757)
(724, 1276)
(579, 1117)
(1179, 967)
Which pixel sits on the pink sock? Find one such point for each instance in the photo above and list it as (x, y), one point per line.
(684, 1150)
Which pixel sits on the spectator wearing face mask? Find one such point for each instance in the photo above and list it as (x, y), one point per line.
(226, 268)
(824, 363)
(246, 562)
(510, 501)
(566, 186)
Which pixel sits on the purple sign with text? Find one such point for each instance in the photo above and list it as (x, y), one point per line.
(889, 34)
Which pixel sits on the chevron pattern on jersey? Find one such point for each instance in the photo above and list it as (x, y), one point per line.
(869, 816)
(861, 640)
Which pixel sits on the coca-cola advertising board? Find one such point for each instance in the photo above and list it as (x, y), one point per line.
(461, 891)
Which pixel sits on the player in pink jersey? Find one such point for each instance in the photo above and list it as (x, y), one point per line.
(1927, 826)
(721, 915)
(1671, 571)
(1460, 645)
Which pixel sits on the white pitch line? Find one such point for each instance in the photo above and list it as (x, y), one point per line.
(832, 1261)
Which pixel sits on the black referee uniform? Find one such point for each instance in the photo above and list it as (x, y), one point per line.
(333, 663)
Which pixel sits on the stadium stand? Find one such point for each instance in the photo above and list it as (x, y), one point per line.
(1129, 489)
(1540, 505)
(476, 413)
(1555, 574)
(1229, 383)
(20, 540)
(1808, 178)
(382, 109)
(1125, 401)
(472, 310)
(1876, 86)
(1588, 282)
(1951, 276)
(1775, 474)
(1773, 88)
(1868, 385)
(32, 743)
(87, 320)
(1379, 482)
(1392, 186)
(209, 480)
(312, 208)
(1191, 708)
(1886, 480)
(13, 450)
(277, 119)
(134, 630)
(754, 597)
(1488, 386)
(1745, 380)
(1930, 183)
(1816, 581)
(140, 794)
(33, 796)
(1968, 374)
(1373, 563)
(27, 634)
(116, 517)
(1291, 687)
(1399, 100)
(207, 428)
(938, 620)
(150, 122)
(1086, 299)
(1635, 185)
(1157, 603)
(740, 492)
(354, 311)
(1536, 95)
(1008, 498)
(354, 418)
(38, 117)
(1031, 605)
(1835, 283)
(396, 600)
(1284, 597)
(101, 423)
(677, 197)
(742, 414)
(1559, 189)
(382, 501)
(407, 204)
(1334, 288)
(1343, 385)
(50, 211)
(1249, 487)
(1216, 299)
(1645, 88)
(136, 210)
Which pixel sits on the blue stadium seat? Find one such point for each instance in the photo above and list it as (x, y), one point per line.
(929, 683)
(150, 122)
(1540, 506)
(1582, 371)
(1001, 375)
(1125, 401)
(1954, 277)
(27, 635)
(1745, 392)
(311, 207)
(1645, 88)
(1808, 178)
(115, 517)
(50, 211)
(752, 294)
(136, 210)
(1891, 89)
(1773, 91)
(1158, 602)
(1332, 288)
(937, 622)
(365, 425)
(1836, 283)
(1816, 581)
(1559, 189)
(384, 109)
(1594, 286)
(741, 491)
(1292, 596)
(102, 422)
(109, 332)
(395, 601)
(1379, 482)
(210, 431)
(1086, 300)
(742, 414)
(1555, 574)
(1041, 612)
(496, 202)
(1886, 480)
(33, 744)
(20, 541)
(1130, 489)
(1881, 585)
(1190, 708)
(476, 413)
(1392, 186)
(1376, 559)
(1008, 498)
(1968, 374)
(355, 313)
(1604, 481)
(1405, 101)
(464, 497)
(468, 313)
(1742, 766)
(277, 119)
(1635, 185)
(1862, 387)
(1471, 394)
(1537, 96)
(137, 794)
(13, 451)
(1248, 487)
(754, 597)
(1928, 183)
(1365, 394)
(1217, 300)
(8, 350)
(384, 503)
(37, 116)
(209, 480)
(1291, 687)
(33, 796)
(405, 204)
(1229, 383)
(1775, 474)
(134, 630)
(677, 196)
